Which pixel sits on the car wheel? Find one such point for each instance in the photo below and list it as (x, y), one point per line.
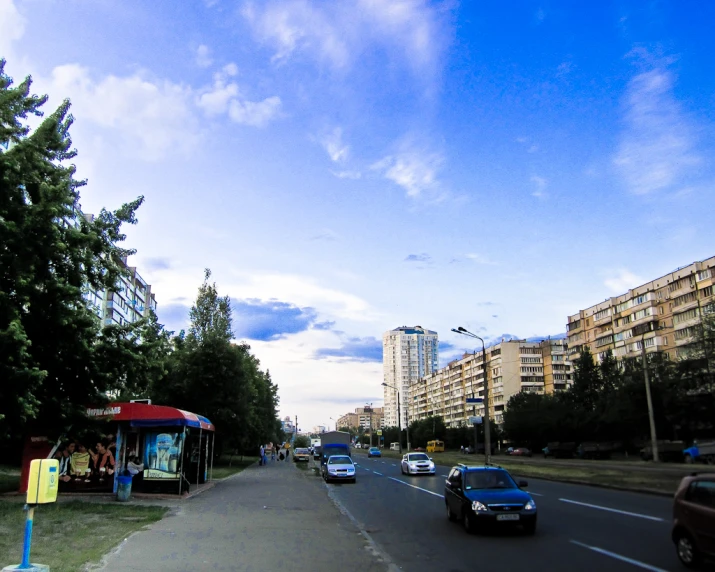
(402, 469)
(687, 552)
(450, 515)
(530, 528)
(467, 522)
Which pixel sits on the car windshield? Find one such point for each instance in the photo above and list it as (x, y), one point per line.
(489, 480)
(301, 451)
(373, 449)
(340, 461)
(418, 457)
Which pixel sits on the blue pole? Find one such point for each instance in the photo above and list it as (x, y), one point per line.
(28, 538)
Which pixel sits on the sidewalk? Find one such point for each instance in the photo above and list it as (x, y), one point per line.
(273, 518)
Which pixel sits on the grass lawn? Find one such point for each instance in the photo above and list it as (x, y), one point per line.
(222, 469)
(70, 534)
(640, 477)
(9, 478)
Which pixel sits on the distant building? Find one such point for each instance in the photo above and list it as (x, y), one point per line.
(363, 418)
(663, 315)
(512, 367)
(408, 354)
(320, 429)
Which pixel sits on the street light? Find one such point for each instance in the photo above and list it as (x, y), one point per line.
(649, 399)
(336, 424)
(368, 408)
(487, 432)
(399, 416)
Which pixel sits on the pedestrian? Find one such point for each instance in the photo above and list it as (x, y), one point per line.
(273, 453)
(461, 449)
(262, 456)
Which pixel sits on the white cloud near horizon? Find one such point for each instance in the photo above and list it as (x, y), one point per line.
(622, 281)
(540, 183)
(337, 32)
(657, 147)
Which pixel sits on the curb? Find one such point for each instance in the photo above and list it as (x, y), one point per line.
(652, 492)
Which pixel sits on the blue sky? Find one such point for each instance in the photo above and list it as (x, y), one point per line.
(345, 168)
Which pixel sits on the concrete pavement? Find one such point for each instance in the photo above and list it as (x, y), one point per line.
(271, 518)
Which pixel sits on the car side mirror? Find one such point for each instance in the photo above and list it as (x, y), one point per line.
(523, 484)
(431, 459)
(448, 483)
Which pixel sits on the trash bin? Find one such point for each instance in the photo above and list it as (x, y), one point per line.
(124, 488)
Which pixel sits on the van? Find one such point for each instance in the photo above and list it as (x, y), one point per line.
(394, 446)
(435, 446)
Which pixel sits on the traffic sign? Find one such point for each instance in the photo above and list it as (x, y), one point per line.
(475, 420)
(475, 400)
(379, 432)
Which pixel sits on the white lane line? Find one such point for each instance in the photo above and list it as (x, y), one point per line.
(384, 463)
(645, 516)
(377, 473)
(619, 557)
(535, 494)
(394, 464)
(414, 487)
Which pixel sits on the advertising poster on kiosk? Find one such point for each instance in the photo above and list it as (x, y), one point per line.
(162, 456)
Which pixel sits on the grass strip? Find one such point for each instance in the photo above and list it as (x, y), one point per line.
(68, 535)
(9, 478)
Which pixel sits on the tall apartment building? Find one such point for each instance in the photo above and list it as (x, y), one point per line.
(511, 366)
(662, 314)
(408, 353)
(131, 301)
(363, 418)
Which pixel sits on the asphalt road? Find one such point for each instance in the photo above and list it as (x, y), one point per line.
(580, 528)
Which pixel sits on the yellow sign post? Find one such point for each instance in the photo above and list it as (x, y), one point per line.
(42, 488)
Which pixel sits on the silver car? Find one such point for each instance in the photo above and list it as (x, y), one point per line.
(417, 464)
(339, 468)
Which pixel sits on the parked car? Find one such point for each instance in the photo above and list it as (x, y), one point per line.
(317, 449)
(694, 519)
(559, 450)
(518, 452)
(301, 454)
(394, 446)
(488, 496)
(417, 464)
(374, 452)
(358, 445)
(339, 468)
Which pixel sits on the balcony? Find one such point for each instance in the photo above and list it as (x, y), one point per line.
(603, 320)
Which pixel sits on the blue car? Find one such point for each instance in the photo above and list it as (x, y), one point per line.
(487, 497)
(374, 452)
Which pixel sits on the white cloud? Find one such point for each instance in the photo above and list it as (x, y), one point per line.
(255, 113)
(415, 171)
(203, 56)
(12, 27)
(337, 32)
(333, 144)
(656, 150)
(480, 259)
(151, 116)
(347, 174)
(225, 97)
(623, 281)
(540, 183)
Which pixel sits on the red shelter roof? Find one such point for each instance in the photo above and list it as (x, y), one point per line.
(146, 415)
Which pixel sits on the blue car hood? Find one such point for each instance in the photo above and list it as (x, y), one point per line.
(490, 496)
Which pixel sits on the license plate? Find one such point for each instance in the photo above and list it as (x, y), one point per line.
(507, 517)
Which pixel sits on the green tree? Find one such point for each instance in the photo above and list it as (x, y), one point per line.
(302, 441)
(52, 358)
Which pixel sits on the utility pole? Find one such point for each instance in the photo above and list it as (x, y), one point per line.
(651, 419)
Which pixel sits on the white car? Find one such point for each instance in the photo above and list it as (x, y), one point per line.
(339, 468)
(417, 464)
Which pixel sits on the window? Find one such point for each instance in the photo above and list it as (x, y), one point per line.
(602, 314)
(706, 292)
(677, 285)
(702, 493)
(684, 299)
(685, 316)
(603, 341)
(684, 333)
(704, 274)
(573, 325)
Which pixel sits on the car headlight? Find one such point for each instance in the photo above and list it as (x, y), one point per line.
(478, 507)
(531, 505)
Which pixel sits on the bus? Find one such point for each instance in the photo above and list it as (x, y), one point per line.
(435, 446)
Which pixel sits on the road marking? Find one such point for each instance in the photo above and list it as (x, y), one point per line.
(619, 557)
(377, 473)
(414, 487)
(394, 464)
(535, 494)
(383, 462)
(645, 516)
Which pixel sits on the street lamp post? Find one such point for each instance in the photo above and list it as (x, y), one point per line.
(369, 409)
(399, 416)
(649, 399)
(487, 431)
(336, 423)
